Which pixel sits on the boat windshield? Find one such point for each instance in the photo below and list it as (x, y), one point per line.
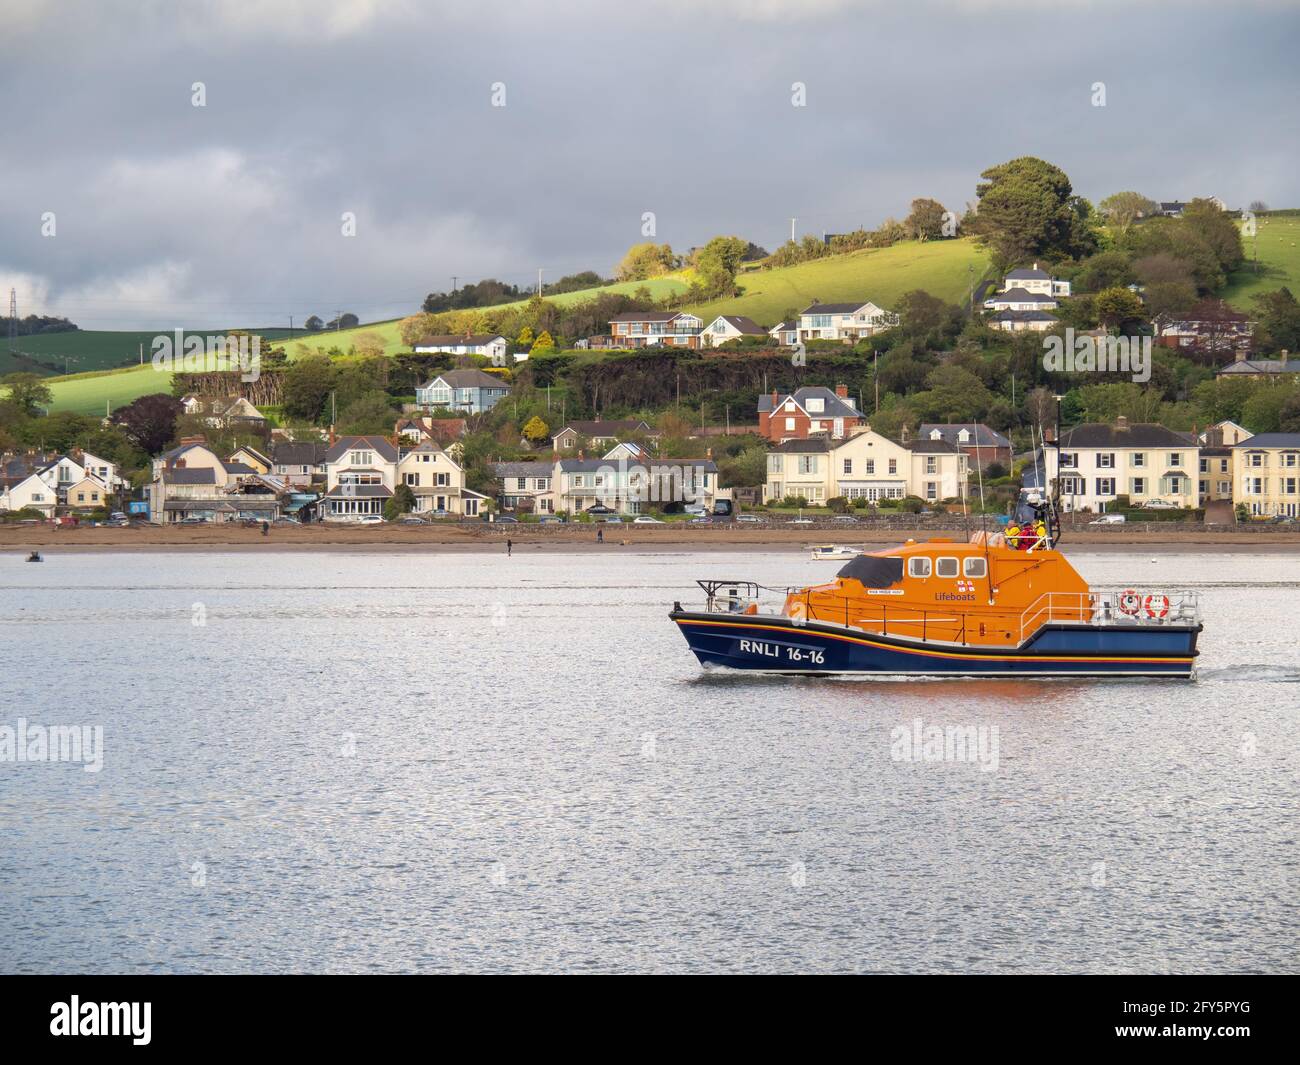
(873, 572)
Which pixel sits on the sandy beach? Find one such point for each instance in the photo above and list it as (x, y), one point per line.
(582, 538)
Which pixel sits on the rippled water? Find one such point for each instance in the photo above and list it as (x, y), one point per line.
(363, 762)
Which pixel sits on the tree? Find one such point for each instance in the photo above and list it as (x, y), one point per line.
(1258, 207)
(369, 413)
(28, 391)
(1218, 230)
(536, 430)
(1027, 210)
(1122, 209)
(525, 338)
(313, 324)
(646, 260)
(346, 320)
(716, 265)
(543, 345)
(1107, 269)
(1115, 306)
(150, 421)
(927, 320)
(1288, 420)
(954, 395)
(402, 502)
(369, 343)
(1279, 321)
(926, 220)
(307, 384)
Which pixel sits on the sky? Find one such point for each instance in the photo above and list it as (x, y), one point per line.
(125, 206)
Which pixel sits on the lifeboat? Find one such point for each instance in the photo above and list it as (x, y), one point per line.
(946, 608)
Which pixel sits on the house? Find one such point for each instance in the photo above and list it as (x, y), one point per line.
(634, 488)
(805, 411)
(639, 329)
(981, 444)
(1036, 282)
(360, 477)
(1140, 460)
(28, 492)
(865, 465)
(438, 482)
(730, 327)
(1216, 459)
(491, 346)
(526, 486)
(442, 431)
(785, 333)
(224, 412)
(189, 481)
(1020, 299)
(844, 321)
(1022, 321)
(299, 463)
(1266, 474)
(1225, 432)
(602, 433)
(1211, 327)
(1175, 208)
(252, 458)
(471, 391)
(1274, 369)
(61, 471)
(90, 493)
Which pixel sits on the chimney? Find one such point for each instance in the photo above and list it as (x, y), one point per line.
(1285, 355)
(1240, 355)
(708, 453)
(902, 435)
(842, 391)
(1121, 423)
(774, 399)
(1035, 266)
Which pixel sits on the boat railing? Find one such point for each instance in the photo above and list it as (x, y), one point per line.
(1151, 606)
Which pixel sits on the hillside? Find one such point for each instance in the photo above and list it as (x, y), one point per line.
(88, 393)
(89, 350)
(1279, 261)
(881, 275)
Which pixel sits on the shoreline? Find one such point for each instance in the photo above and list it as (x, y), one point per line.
(582, 540)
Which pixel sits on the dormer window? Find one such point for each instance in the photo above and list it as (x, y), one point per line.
(963, 436)
(816, 405)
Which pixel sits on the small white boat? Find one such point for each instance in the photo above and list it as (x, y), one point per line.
(834, 552)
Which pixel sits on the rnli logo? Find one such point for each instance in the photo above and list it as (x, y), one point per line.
(965, 586)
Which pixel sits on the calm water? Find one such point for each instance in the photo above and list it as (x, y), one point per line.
(465, 762)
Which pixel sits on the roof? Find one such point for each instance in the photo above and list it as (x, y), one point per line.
(183, 475)
(1135, 434)
(177, 452)
(254, 452)
(743, 324)
(981, 434)
(522, 469)
(1255, 366)
(783, 327)
(931, 447)
(812, 445)
(648, 316)
(1029, 274)
(1260, 440)
(1019, 295)
(835, 406)
(299, 453)
(238, 468)
(468, 379)
(607, 428)
(834, 308)
(379, 444)
(447, 340)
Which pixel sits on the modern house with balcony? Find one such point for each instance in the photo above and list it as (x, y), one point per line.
(471, 391)
(640, 329)
(844, 321)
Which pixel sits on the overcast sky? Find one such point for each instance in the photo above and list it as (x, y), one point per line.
(230, 214)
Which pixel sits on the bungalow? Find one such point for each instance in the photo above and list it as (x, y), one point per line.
(526, 486)
(602, 433)
(727, 327)
(807, 411)
(1274, 369)
(1266, 474)
(785, 333)
(639, 329)
(866, 465)
(1035, 281)
(844, 321)
(981, 444)
(492, 346)
(1022, 321)
(471, 391)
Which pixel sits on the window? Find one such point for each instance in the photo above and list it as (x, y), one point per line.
(931, 464)
(521, 483)
(1288, 486)
(773, 463)
(807, 463)
(1139, 458)
(893, 466)
(1255, 458)
(1175, 458)
(412, 479)
(931, 490)
(848, 467)
(1205, 465)
(816, 405)
(918, 567)
(1139, 486)
(946, 567)
(360, 458)
(789, 424)
(1105, 486)
(1069, 460)
(1289, 460)
(1105, 460)
(974, 567)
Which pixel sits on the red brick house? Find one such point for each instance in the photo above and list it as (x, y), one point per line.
(797, 415)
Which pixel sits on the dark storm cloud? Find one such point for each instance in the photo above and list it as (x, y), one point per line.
(231, 213)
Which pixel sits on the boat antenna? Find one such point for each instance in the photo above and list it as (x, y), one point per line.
(984, 530)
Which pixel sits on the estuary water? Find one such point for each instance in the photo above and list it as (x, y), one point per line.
(363, 762)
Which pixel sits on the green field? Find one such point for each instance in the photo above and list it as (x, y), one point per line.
(89, 350)
(941, 268)
(87, 393)
(1279, 261)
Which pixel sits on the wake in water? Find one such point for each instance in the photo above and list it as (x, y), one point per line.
(1265, 674)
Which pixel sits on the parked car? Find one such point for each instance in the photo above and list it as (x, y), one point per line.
(1159, 504)
(1109, 519)
(695, 508)
(551, 519)
(703, 519)
(505, 519)
(845, 519)
(750, 518)
(284, 519)
(722, 508)
(410, 519)
(370, 519)
(613, 519)
(646, 519)
(193, 521)
(117, 515)
(800, 521)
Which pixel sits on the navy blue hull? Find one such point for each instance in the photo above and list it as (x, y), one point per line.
(773, 644)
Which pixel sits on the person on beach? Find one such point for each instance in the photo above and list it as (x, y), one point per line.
(600, 536)
(509, 547)
(266, 528)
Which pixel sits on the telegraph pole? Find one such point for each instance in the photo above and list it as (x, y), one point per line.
(13, 320)
(792, 222)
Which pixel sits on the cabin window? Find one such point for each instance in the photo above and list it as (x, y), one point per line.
(946, 567)
(974, 567)
(918, 567)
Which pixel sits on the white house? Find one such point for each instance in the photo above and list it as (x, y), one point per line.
(1022, 321)
(844, 321)
(1143, 461)
(1036, 281)
(491, 345)
(28, 492)
(360, 477)
(730, 327)
(526, 486)
(633, 487)
(785, 333)
(1020, 299)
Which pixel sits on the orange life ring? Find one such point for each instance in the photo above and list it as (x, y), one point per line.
(1157, 606)
(1130, 602)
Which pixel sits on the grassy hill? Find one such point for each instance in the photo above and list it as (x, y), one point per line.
(89, 350)
(87, 393)
(881, 275)
(1279, 261)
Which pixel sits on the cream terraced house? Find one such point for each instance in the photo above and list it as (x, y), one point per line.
(866, 465)
(1140, 460)
(1266, 474)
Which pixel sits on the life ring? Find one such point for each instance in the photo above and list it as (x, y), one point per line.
(1130, 602)
(1157, 606)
